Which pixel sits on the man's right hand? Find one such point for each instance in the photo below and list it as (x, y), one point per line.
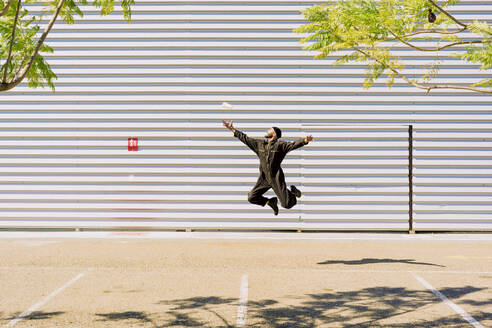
(228, 124)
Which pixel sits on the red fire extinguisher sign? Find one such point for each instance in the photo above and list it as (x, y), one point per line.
(132, 144)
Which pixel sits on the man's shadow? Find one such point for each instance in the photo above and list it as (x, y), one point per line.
(373, 261)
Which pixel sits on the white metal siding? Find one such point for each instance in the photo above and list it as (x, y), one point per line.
(162, 78)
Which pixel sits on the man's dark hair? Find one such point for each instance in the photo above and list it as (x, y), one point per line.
(278, 132)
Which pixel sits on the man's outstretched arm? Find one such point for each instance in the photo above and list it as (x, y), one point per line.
(250, 142)
(289, 146)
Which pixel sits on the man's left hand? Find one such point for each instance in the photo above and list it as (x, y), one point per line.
(308, 138)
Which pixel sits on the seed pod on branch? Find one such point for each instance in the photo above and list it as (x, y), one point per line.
(431, 16)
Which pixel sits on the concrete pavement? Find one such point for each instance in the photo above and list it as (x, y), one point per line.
(192, 279)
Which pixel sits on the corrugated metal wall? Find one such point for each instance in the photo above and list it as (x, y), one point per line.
(162, 78)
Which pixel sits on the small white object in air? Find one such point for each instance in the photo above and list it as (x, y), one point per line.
(226, 105)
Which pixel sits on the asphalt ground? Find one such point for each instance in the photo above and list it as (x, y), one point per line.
(245, 280)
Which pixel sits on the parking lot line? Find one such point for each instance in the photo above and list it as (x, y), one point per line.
(44, 300)
(452, 305)
(243, 302)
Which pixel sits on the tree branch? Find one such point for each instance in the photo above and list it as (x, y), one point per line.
(454, 44)
(7, 6)
(432, 49)
(427, 31)
(11, 43)
(20, 68)
(8, 86)
(447, 14)
(421, 86)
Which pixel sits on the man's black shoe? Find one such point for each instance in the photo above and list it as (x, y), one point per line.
(295, 191)
(272, 202)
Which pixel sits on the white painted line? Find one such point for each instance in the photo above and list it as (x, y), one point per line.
(243, 302)
(321, 236)
(44, 301)
(452, 305)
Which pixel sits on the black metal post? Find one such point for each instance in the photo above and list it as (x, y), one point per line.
(410, 179)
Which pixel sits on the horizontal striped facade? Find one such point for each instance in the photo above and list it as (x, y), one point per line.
(162, 78)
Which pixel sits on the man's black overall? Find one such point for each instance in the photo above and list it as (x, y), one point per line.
(271, 155)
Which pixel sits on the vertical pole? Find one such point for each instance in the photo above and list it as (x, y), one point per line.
(410, 179)
(301, 214)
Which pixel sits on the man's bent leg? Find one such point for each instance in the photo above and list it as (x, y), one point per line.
(287, 198)
(255, 196)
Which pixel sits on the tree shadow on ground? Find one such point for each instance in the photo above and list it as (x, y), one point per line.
(202, 303)
(373, 261)
(367, 307)
(477, 303)
(361, 308)
(177, 316)
(140, 316)
(36, 315)
(116, 316)
(196, 302)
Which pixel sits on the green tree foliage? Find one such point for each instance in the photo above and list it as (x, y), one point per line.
(368, 29)
(22, 43)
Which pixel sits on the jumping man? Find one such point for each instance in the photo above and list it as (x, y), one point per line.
(271, 153)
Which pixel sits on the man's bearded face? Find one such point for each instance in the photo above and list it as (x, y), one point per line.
(269, 133)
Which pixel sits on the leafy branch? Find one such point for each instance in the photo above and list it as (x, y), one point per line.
(11, 42)
(402, 40)
(6, 7)
(19, 32)
(363, 25)
(435, 5)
